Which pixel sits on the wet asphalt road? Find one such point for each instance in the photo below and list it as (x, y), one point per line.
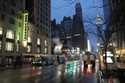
(50, 74)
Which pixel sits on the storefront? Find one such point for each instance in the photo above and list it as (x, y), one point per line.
(107, 59)
(120, 52)
(120, 57)
(27, 58)
(9, 60)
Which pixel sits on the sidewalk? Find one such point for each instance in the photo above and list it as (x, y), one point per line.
(113, 80)
(106, 79)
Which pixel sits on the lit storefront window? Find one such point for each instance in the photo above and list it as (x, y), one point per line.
(45, 50)
(10, 34)
(45, 42)
(110, 57)
(38, 41)
(28, 48)
(1, 30)
(24, 43)
(29, 40)
(9, 46)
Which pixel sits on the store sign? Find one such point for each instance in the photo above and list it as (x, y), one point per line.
(25, 26)
(110, 57)
(109, 60)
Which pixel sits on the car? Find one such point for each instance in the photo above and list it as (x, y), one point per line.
(61, 59)
(37, 62)
(43, 61)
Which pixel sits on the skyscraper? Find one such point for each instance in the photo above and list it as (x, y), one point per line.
(78, 9)
(42, 16)
(78, 39)
(118, 22)
(66, 24)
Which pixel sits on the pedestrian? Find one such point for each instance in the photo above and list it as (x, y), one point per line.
(110, 80)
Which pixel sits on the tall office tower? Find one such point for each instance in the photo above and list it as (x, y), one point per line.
(78, 37)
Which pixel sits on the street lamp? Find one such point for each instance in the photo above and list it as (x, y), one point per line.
(98, 47)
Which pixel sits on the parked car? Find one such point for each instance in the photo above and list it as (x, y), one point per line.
(61, 59)
(37, 62)
(43, 61)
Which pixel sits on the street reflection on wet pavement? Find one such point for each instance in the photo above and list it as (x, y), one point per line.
(50, 74)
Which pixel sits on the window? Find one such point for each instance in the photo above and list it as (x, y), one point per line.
(1, 30)
(10, 34)
(38, 41)
(29, 39)
(45, 50)
(45, 42)
(29, 48)
(9, 46)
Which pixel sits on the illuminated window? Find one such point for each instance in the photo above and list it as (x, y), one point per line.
(28, 48)
(45, 42)
(9, 46)
(10, 34)
(38, 41)
(24, 43)
(1, 31)
(45, 50)
(17, 37)
(29, 39)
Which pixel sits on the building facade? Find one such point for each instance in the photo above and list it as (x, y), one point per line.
(23, 30)
(55, 34)
(71, 30)
(117, 24)
(66, 37)
(78, 36)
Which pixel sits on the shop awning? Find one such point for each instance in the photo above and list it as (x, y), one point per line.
(120, 51)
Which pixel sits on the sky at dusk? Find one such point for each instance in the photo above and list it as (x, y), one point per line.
(61, 8)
